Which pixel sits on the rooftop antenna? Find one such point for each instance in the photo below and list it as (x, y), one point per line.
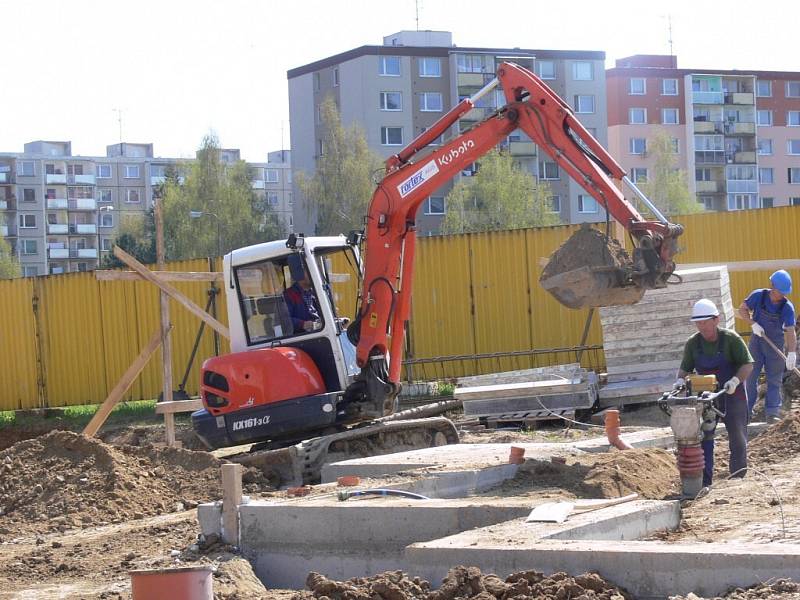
(669, 27)
(119, 119)
(416, 6)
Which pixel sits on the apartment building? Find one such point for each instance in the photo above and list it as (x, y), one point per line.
(397, 90)
(736, 133)
(61, 213)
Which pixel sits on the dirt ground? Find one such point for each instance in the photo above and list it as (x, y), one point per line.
(77, 514)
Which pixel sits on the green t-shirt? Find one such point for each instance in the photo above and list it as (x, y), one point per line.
(733, 348)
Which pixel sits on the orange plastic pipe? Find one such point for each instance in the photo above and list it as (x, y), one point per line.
(612, 431)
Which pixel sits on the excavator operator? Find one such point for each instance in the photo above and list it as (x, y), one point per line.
(300, 298)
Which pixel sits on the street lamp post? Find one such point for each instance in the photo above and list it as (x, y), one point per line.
(196, 214)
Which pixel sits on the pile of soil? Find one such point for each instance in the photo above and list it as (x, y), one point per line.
(650, 472)
(464, 582)
(779, 442)
(781, 589)
(63, 480)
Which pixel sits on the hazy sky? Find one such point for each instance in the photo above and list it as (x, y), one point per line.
(181, 68)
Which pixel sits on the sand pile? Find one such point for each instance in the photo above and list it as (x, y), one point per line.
(779, 442)
(781, 589)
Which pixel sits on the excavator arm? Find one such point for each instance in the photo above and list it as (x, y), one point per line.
(412, 176)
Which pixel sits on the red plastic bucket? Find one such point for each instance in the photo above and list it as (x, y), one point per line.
(178, 583)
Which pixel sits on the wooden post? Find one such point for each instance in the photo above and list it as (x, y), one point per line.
(169, 289)
(122, 385)
(231, 499)
(166, 342)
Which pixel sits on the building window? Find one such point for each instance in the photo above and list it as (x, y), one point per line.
(669, 87)
(434, 205)
(27, 221)
(81, 267)
(272, 198)
(30, 247)
(392, 136)
(763, 88)
(548, 170)
(104, 195)
(272, 176)
(637, 116)
(546, 69)
(793, 147)
(707, 202)
(794, 174)
(584, 104)
(639, 175)
(676, 145)
(793, 89)
(430, 67)
(794, 201)
(131, 171)
(741, 201)
(765, 147)
(793, 118)
(637, 86)
(766, 202)
(29, 194)
(106, 244)
(765, 175)
(25, 168)
(586, 204)
(638, 146)
(669, 116)
(582, 70)
(132, 196)
(474, 63)
(391, 101)
(106, 219)
(764, 117)
(103, 171)
(30, 271)
(389, 66)
(703, 174)
(430, 102)
(336, 77)
(554, 204)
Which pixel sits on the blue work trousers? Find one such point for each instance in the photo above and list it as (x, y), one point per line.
(765, 358)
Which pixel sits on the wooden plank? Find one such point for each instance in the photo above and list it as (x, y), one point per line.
(516, 390)
(122, 385)
(105, 275)
(749, 265)
(173, 293)
(231, 499)
(179, 406)
(570, 370)
(166, 341)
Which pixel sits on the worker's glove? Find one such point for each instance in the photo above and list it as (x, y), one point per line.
(791, 360)
(680, 382)
(731, 385)
(757, 329)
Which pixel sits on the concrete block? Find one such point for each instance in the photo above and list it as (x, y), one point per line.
(209, 517)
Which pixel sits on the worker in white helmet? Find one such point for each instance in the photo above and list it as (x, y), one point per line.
(721, 352)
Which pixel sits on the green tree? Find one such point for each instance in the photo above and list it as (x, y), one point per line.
(223, 190)
(501, 195)
(341, 187)
(137, 237)
(666, 184)
(9, 265)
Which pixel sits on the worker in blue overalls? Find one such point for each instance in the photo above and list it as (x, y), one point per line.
(771, 315)
(721, 352)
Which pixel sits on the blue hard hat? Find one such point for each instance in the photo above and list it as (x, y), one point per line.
(781, 281)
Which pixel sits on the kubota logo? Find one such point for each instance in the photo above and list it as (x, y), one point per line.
(456, 152)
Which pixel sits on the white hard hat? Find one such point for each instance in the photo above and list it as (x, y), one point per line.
(704, 309)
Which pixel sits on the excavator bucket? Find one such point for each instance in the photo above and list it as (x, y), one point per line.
(590, 270)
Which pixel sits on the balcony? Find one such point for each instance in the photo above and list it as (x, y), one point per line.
(57, 203)
(740, 128)
(258, 184)
(740, 158)
(83, 228)
(82, 204)
(3, 204)
(6, 178)
(3, 230)
(708, 97)
(708, 126)
(739, 98)
(522, 148)
(56, 178)
(58, 252)
(709, 157)
(88, 179)
(471, 80)
(57, 228)
(157, 179)
(707, 187)
(83, 253)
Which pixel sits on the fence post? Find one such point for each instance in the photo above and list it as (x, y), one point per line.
(40, 334)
